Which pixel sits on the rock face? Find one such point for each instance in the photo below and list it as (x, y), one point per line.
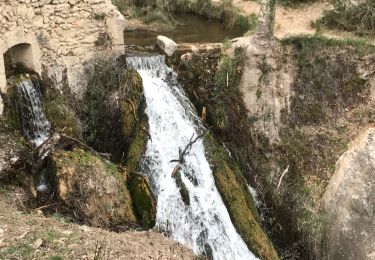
(349, 202)
(266, 86)
(58, 38)
(166, 44)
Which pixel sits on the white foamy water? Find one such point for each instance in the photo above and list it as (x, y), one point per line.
(204, 225)
(35, 125)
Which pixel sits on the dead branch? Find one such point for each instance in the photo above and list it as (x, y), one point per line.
(281, 178)
(187, 148)
(45, 206)
(184, 152)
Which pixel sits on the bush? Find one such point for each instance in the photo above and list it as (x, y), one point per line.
(353, 18)
(295, 3)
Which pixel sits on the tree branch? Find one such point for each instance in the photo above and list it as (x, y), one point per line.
(185, 152)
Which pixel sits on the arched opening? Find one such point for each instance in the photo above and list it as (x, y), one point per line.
(19, 59)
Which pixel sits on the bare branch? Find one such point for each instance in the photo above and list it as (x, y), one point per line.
(281, 178)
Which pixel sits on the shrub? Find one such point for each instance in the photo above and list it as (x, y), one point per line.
(353, 18)
(295, 3)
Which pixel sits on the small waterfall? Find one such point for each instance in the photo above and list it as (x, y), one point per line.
(204, 225)
(34, 122)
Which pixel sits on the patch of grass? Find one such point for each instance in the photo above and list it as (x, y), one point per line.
(295, 3)
(305, 43)
(22, 250)
(62, 219)
(51, 235)
(353, 18)
(56, 257)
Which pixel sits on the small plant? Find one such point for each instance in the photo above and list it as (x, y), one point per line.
(99, 16)
(103, 40)
(259, 94)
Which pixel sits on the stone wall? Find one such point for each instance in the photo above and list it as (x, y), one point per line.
(64, 35)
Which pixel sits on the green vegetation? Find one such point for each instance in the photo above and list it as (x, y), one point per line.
(238, 200)
(324, 83)
(143, 201)
(112, 107)
(349, 17)
(295, 3)
(183, 190)
(105, 195)
(99, 16)
(61, 115)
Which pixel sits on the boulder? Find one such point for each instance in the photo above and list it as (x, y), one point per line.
(166, 44)
(349, 202)
(95, 189)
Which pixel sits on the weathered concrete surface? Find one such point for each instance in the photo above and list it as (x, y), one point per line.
(64, 36)
(349, 201)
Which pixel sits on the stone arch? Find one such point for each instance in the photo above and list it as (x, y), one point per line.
(18, 47)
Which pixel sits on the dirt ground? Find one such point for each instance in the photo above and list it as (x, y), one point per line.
(295, 21)
(31, 235)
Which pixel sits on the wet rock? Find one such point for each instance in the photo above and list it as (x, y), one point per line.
(143, 200)
(349, 202)
(166, 44)
(238, 200)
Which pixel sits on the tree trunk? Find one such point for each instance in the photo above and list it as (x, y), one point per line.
(266, 19)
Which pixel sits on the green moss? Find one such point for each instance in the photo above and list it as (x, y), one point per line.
(69, 172)
(232, 187)
(61, 116)
(113, 105)
(137, 147)
(143, 201)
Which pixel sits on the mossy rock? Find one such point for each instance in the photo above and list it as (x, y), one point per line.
(137, 146)
(113, 107)
(183, 190)
(61, 115)
(143, 200)
(92, 187)
(238, 200)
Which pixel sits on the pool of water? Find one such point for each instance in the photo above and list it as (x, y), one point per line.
(191, 28)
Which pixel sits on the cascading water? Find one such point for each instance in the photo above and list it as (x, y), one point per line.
(204, 225)
(34, 122)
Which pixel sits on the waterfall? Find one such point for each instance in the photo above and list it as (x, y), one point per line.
(204, 225)
(34, 122)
